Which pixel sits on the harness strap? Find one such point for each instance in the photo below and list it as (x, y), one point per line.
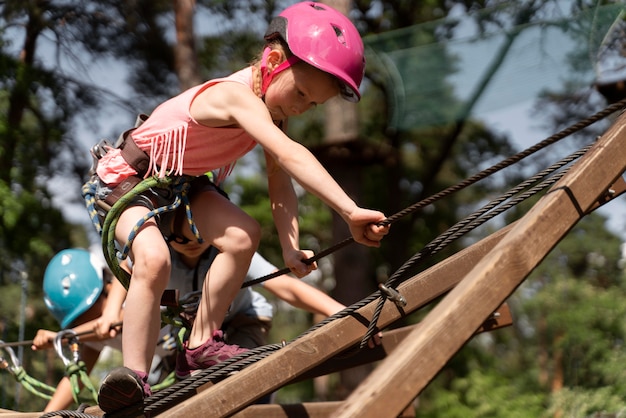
(134, 156)
(121, 189)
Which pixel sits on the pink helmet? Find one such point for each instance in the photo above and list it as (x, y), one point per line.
(323, 37)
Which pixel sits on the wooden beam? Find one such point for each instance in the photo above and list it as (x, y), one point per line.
(6, 413)
(303, 410)
(393, 385)
(265, 376)
(391, 339)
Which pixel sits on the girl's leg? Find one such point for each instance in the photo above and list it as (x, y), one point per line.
(150, 274)
(236, 235)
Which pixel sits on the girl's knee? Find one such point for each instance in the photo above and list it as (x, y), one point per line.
(153, 260)
(245, 238)
(151, 263)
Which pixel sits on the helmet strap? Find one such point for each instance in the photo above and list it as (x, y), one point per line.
(268, 75)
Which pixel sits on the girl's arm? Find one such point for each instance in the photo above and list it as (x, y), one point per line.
(285, 214)
(112, 312)
(301, 295)
(231, 104)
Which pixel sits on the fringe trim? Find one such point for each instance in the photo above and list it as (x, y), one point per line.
(173, 143)
(161, 147)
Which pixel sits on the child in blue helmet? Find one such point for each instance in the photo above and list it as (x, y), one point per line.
(78, 288)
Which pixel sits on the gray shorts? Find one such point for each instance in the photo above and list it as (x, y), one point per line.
(158, 197)
(152, 198)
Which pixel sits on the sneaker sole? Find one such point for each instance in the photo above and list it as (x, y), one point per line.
(121, 394)
(181, 376)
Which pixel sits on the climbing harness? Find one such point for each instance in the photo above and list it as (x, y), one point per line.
(105, 217)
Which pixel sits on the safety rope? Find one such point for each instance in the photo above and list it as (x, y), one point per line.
(79, 413)
(75, 368)
(466, 225)
(28, 382)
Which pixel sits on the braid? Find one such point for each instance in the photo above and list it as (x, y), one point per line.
(258, 77)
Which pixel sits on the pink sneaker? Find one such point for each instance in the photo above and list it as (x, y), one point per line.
(213, 351)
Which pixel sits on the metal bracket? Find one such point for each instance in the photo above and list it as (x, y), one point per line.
(615, 190)
(393, 295)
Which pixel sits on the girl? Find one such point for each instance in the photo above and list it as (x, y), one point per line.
(312, 53)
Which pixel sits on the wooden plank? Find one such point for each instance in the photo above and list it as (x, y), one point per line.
(391, 339)
(451, 323)
(236, 392)
(7, 413)
(303, 410)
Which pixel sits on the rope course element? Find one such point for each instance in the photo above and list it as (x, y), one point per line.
(28, 382)
(75, 369)
(183, 390)
(617, 106)
(187, 388)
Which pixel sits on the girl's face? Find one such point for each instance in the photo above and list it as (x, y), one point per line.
(297, 89)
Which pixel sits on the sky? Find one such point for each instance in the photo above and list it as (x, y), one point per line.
(525, 132)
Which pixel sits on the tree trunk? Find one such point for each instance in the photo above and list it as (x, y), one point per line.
(351, 263)
(185, 56)
(18, 96)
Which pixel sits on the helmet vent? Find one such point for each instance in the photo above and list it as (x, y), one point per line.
(66, 283)
(339, 34)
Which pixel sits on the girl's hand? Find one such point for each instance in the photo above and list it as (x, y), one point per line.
(103, 327)
(43, 339)
(294, 260)
(376, 340)
(364, 226)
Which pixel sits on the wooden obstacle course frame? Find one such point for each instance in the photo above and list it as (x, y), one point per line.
(490, 271)
(477, 281)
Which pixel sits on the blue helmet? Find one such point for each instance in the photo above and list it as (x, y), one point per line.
(72, 283)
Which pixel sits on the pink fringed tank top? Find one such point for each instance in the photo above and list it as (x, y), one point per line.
(178, 145)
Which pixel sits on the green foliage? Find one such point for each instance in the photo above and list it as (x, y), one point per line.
(579, 402)
(568, 332)
(482, 393)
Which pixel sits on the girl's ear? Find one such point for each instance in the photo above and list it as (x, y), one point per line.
(274, 58)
